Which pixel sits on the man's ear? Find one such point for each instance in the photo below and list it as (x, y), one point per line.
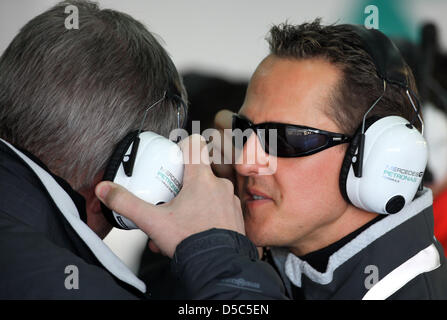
(95, 218)
(92, 202)
(93, 205)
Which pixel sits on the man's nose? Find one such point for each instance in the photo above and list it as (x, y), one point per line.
(251, 158)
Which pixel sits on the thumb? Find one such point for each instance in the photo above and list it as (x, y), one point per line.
(118, 199)
(223, 119)
(195, 156)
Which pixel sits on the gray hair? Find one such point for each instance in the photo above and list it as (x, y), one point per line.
(69, 96)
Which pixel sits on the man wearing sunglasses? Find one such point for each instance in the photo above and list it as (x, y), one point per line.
(67, 97)
(313, 90)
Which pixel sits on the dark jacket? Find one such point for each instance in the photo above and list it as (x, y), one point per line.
(44, 238)
(397, 257)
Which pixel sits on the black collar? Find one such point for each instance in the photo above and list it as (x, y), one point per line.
(77, 198)
(319, 259)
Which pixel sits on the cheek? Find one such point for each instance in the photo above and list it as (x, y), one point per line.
(310, 193)
(314, 184)
(308, 197)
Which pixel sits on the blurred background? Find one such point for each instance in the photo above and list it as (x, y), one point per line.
(217, 45)
(227, 37)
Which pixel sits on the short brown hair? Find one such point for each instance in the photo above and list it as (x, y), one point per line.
(360, 85)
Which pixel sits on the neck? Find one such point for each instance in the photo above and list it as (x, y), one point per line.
(352, 219)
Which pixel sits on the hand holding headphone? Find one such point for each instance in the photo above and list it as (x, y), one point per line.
(148, 165)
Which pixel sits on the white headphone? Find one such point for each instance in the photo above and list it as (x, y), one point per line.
(148, 165)
(394, 159)
(385, 162)
(156, 176)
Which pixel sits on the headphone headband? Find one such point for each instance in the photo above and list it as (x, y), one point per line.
(389, 63)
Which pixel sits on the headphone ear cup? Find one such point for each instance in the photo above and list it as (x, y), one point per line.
(394, 159)
(350, 153)
(112, 168)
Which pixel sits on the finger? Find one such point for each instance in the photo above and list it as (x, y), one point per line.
(195, 156)
(223, 119)
(118, 199)
(223, 122)
(194, 150)
(228, 151)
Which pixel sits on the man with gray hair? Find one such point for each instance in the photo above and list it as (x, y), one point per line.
(67, 97)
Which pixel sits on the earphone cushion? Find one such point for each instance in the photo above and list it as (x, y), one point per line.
(117, 156)
(346, 165)
(350, 152)
(112, 168)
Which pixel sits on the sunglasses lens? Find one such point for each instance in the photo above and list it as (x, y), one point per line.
(279, 139)
(292, 141)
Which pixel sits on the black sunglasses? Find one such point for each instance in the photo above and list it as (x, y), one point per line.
(292, 140)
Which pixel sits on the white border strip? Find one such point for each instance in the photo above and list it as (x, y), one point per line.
(65, 204)
(425, 260)
(295, 267)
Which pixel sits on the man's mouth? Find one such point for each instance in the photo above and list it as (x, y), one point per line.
(258, 197)
(255, 197)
